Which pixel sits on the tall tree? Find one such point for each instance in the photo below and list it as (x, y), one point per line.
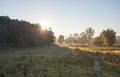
(69, 39)
(76, 38)
(61, 39)
(83, 38)
(89, 32)
(14, 32)
(108, 37)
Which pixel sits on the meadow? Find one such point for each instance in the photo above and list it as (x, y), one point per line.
(56, 61)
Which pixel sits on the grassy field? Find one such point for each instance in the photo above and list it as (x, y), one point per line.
(56, 61)
(112, 50)
(35, 51)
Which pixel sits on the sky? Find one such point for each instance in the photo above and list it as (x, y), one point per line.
(66, 16)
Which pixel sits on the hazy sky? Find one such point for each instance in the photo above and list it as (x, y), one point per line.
(66, 16)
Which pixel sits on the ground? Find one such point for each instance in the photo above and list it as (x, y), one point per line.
(55, 61)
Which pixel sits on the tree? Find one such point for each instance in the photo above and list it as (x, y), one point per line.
(61, 39)
(83, 38)
(50, 36)
(14, 32)
(76, 38)
(3, 35)
(97, 41)
(89, 33)
(108, 37)
(69, 39)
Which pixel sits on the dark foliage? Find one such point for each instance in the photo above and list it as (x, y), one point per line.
(97, 41)
(18, 33)
(108, 37)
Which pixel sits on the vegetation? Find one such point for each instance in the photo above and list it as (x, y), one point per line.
(89, 33)
(77, 63)
(83, 39)
(97, 41)
(61, 39)
(14, 33)
(108, 37)
(29, 52)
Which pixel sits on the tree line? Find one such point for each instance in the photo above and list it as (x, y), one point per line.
(105, 38)
(15, 33)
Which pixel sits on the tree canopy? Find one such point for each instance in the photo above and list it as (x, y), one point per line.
(14, 32)
(89, 33)
(108, 37)
(61, 39)
(97, 41)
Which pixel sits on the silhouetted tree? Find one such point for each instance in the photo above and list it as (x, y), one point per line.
(61, 39)
(22, 33)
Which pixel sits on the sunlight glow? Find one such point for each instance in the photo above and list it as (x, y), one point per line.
(45, 24)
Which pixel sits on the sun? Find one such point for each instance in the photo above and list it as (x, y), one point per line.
(45, 24)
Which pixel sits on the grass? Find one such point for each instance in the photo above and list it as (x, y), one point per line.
(35, 51)
(44, 62)
(112, 50)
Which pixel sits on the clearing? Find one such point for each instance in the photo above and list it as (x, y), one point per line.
(55, 61)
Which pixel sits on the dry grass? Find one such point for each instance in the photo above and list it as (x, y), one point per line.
(74, 62)
(111, 50)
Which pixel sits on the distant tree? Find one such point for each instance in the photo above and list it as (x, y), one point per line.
(83, 38)
(61, 39)
(97, 41)
(108, 37)
(69, 39)
(76, 38)
(89, 33)
(117, 41)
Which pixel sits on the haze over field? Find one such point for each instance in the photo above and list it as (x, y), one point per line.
(66, 16)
